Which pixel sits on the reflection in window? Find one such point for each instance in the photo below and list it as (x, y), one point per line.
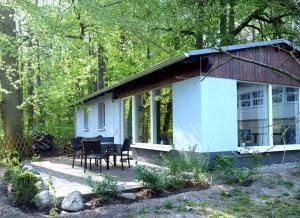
(101, 115)
(291, 94)
(252, 115)
(143, 117)
(164, 119)
(277, 93)
(85, 120)
(285, 116)
(127, 118)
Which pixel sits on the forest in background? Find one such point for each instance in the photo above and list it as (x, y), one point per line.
(55, 51)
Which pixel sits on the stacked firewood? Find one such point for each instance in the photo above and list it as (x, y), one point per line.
(42, 142)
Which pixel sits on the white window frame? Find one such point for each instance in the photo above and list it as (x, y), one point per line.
(99, 126)
(271, 147)
(153, 144)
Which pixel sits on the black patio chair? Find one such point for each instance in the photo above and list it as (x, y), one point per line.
(94, 150)
(77, 148)
(123, 151)
(109, 142)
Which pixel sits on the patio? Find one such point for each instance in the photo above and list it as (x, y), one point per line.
(67, 179)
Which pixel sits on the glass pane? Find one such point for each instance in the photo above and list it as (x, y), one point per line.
(164, 118)
(127, 118)
(101, 116)
(285, 117)
(85, 120)
(143, 117)
(253, 115)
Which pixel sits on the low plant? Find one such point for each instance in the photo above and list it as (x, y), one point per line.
(186, 166)
(152, 178)
(35, 157)
(54, 209)
(108, 187)
(22, 181)
(223, 166)
(285, 183)
(24, 188)
(169, 205)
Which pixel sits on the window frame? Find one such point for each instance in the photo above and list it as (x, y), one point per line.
(152, 145)
(271, 147)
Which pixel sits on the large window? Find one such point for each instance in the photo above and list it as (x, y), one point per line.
(101, 115)
(163, 116)
(285, 107)
(143, 117)
(127, 118)
(252, 114)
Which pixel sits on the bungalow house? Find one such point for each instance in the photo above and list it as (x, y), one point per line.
(237, 98)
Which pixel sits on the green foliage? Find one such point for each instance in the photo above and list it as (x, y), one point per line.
(153, 179)
(23, 182)
(169, 205)
(223, 166)
(286, 183)
(176, 171)
(186, 165)
(222, 163)
(35, 157)
(10, 158)
(54, 210)
(24, 188)
(108, 187)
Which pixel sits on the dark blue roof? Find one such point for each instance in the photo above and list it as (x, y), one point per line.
(244, 46)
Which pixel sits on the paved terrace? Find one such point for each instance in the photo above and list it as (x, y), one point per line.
(67, 179)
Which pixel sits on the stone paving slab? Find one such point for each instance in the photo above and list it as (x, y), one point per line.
(67, 179)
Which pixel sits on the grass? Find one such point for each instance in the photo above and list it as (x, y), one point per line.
(286, 183)
(263, 197)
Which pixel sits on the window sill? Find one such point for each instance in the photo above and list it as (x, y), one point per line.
(263, 149)
(148, 146)
(86, 130)
(102, 129)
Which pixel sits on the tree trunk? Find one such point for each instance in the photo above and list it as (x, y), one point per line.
(223, 22)
(231, 20)
(10, 114)
(101, 67)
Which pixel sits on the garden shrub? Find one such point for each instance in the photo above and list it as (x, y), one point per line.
(23, 182)
(108, 187)
(223, 166)
(151, 178)
(186, 166)
(24, 188)
(178, 169)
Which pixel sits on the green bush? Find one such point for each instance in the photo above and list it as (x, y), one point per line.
(23, 182)
(24, 188)
(178, 169)
(223, 166)
(151, 178)
(186, 166)
(222, 163)
(108, 187)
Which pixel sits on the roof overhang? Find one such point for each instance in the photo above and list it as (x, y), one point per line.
(180, 58)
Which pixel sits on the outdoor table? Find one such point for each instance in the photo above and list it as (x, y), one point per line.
(111, 150)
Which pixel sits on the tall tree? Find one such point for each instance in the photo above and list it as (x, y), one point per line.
(11, 94)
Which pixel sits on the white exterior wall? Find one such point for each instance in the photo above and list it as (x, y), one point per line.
(112, 119)
(218, 115)
(186, 114)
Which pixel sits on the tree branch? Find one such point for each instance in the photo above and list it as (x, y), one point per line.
(280, 71)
